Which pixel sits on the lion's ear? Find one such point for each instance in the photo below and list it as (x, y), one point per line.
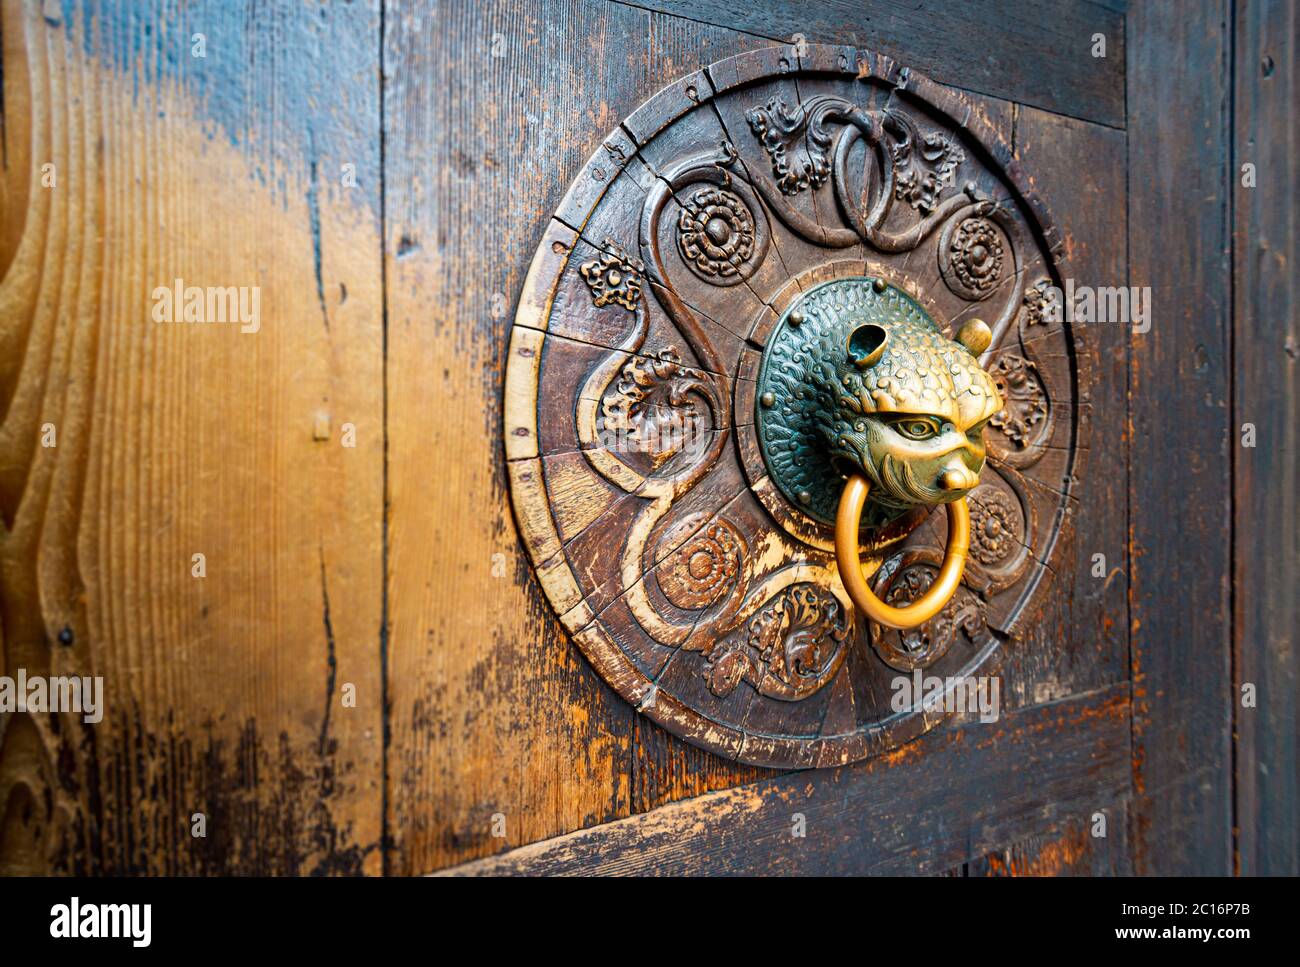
(867, 345)
(975, 335)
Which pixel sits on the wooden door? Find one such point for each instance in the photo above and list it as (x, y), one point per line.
(295, 550)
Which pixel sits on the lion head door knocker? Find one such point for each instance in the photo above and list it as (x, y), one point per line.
(791, 319)
(865, 403)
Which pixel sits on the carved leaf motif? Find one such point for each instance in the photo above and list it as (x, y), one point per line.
(1026, 403)
(727, 671)
(798, 149)
(924, 165)
(796, 639)
(649, 409)
(1040, 305)
(923, 646)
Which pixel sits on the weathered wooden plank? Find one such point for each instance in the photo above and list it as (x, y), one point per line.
(952, 796)
(1079, 641)
(222, 693)
(1075, 848)
(1266, 394)
(494, 710)
(1181, 449)
(1035, 52)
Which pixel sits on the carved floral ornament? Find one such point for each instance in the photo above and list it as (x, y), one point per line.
(666, 373)
(715, 233)
(614, 277)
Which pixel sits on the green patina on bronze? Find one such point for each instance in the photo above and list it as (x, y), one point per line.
(856, 375)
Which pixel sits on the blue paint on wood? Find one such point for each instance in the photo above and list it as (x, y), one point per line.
(292, 86)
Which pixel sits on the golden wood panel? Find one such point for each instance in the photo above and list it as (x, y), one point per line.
(130, 443)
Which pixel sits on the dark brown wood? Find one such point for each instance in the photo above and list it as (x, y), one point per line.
(1036, 52)
(1266, 394)
(1071, 850)
(1181, 449)
(1080, 639)
(952, 797)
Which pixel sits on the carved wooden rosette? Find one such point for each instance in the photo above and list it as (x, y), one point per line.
(695, 588)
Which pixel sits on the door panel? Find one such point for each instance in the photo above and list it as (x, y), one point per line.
(1180, 609)
(384, 171)
(1080, 642)
(995, 47)
(1266, 315)
(596, 761)
(950, 797)
(493, 709)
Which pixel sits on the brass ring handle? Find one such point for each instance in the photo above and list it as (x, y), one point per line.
(848, 519)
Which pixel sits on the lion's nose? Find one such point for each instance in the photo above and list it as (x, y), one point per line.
(958, 478)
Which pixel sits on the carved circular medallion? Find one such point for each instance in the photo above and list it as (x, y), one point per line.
(903, 579)
(705, 565)
(692, 572)
(715, 233)
(972, 256)
(995, 528)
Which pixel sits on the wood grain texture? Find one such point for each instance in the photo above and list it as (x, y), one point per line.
(1266, 393)
(1180, 444)
(1070, 850)
(1035, 52)
(947, 799)
(221, 693)
(1079, 642)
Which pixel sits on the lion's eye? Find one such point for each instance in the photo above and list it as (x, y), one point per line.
(917, 428)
